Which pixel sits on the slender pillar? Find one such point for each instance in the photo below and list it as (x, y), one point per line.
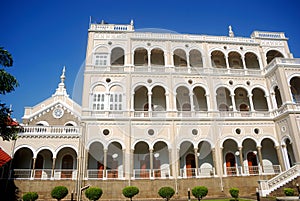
(241, 158)
(167, 102)
(170, 162)
(260, 157)
(150, 101)
(151, 162)
(33, 167)
(213, 150)
(251, 102)
(166, 59)
(105, 162)
(188, 60)
(196, 161)
(233, 102)
(178, 162)
(223, 171)
(53, 167)
(244, 63)
(149, 58)
(192, 102)
(131, 173)
(285, 156)
(132, 102)
(124, 162)
(268, 102)
(227, 63)
(279, 154)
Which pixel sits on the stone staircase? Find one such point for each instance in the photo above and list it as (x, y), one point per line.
(267, 186)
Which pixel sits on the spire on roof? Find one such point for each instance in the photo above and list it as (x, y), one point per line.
(61, 89)
(231, 34)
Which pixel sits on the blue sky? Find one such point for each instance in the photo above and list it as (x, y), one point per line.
(44, 36)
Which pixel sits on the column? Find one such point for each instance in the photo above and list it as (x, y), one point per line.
(188, 60)
(151, 163)
(192, 102)
(33, 168)
(178, 162)
(53, 167)
(251, 102)
(273, 100)
(279, 155)
(260, 158)
(244, 64)
(268, 102)
(241, 159)
(131, 173)
(123, 162)
(85, 163)
(132, 102)
(227, 63)
(172, 59)
(105, 162)
(166, 59)
(149, 101)
(196, 161)
(213, 150)
(207, 102)
(222, 171)
(149, 58)
(167, 102)
(106, 101)
(285, 156)
(170, 162)
(233, 102)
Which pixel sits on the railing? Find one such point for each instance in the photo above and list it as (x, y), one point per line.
(252, 170)
(141, 173)
(281, 61)
(196, 173)
(59, 174)
(111, 27)
(50, 130)
(267, 186)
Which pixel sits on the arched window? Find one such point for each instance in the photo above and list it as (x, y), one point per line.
(140, 57)
(157, 57)
(273, 54)
(278, 97)
(251, 61)
(183, 99)
(195, 58)
(295, 89)
(218, 59)
(117, 57)
(179, 58)
(223, 99)
(235, 61)
(259, 100)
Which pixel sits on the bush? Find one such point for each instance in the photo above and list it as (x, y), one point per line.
(93, 193)
(166, 192)
(199, 192)
(288, 191)
(30, 196)
(59, 192)
(130, 191)
(234, 192)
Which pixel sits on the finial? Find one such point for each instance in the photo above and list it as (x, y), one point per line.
(131, 22)
(102, 21)
(62, 77)
(231, 34)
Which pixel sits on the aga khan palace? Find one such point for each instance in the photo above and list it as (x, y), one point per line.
(161, 107)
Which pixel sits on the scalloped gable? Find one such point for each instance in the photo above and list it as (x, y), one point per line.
(59, 99)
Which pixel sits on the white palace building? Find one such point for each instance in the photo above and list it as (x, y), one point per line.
(159, 105)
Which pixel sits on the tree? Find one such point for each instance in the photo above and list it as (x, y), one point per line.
(93, 193)
(8, 83)
(130, 191)
(166, 192)
(199, 192)
(59, 192)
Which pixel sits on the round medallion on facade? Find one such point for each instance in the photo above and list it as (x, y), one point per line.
(58, 113)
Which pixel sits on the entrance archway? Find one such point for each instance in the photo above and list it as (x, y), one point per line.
(190, 165)
(252, 163)
(230, 164)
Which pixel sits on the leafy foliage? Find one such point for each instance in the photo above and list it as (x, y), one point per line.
(30, 196)
(199, 192)
(166, 192)
(59, 192)
(288, 191)
(234, 192)
(130, 191)
(93, 193)
(8, 83)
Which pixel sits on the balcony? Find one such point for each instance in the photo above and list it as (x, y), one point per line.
(50, 131)
(44, 174)
(252, 170)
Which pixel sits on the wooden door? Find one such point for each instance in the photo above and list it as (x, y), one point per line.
(190, 165)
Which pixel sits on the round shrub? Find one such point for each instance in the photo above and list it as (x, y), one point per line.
(59, 192)
(234, 192)
(166, 192)
(30, 196)
(130, 191)
(288, 191)
(199, 192)
(93, 193)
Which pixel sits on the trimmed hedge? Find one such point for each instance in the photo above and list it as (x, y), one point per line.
(59, 192)
(166, 192)
(130, 191)
(93, 193)
(199, 192)
(234, 192)
(30, 196)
